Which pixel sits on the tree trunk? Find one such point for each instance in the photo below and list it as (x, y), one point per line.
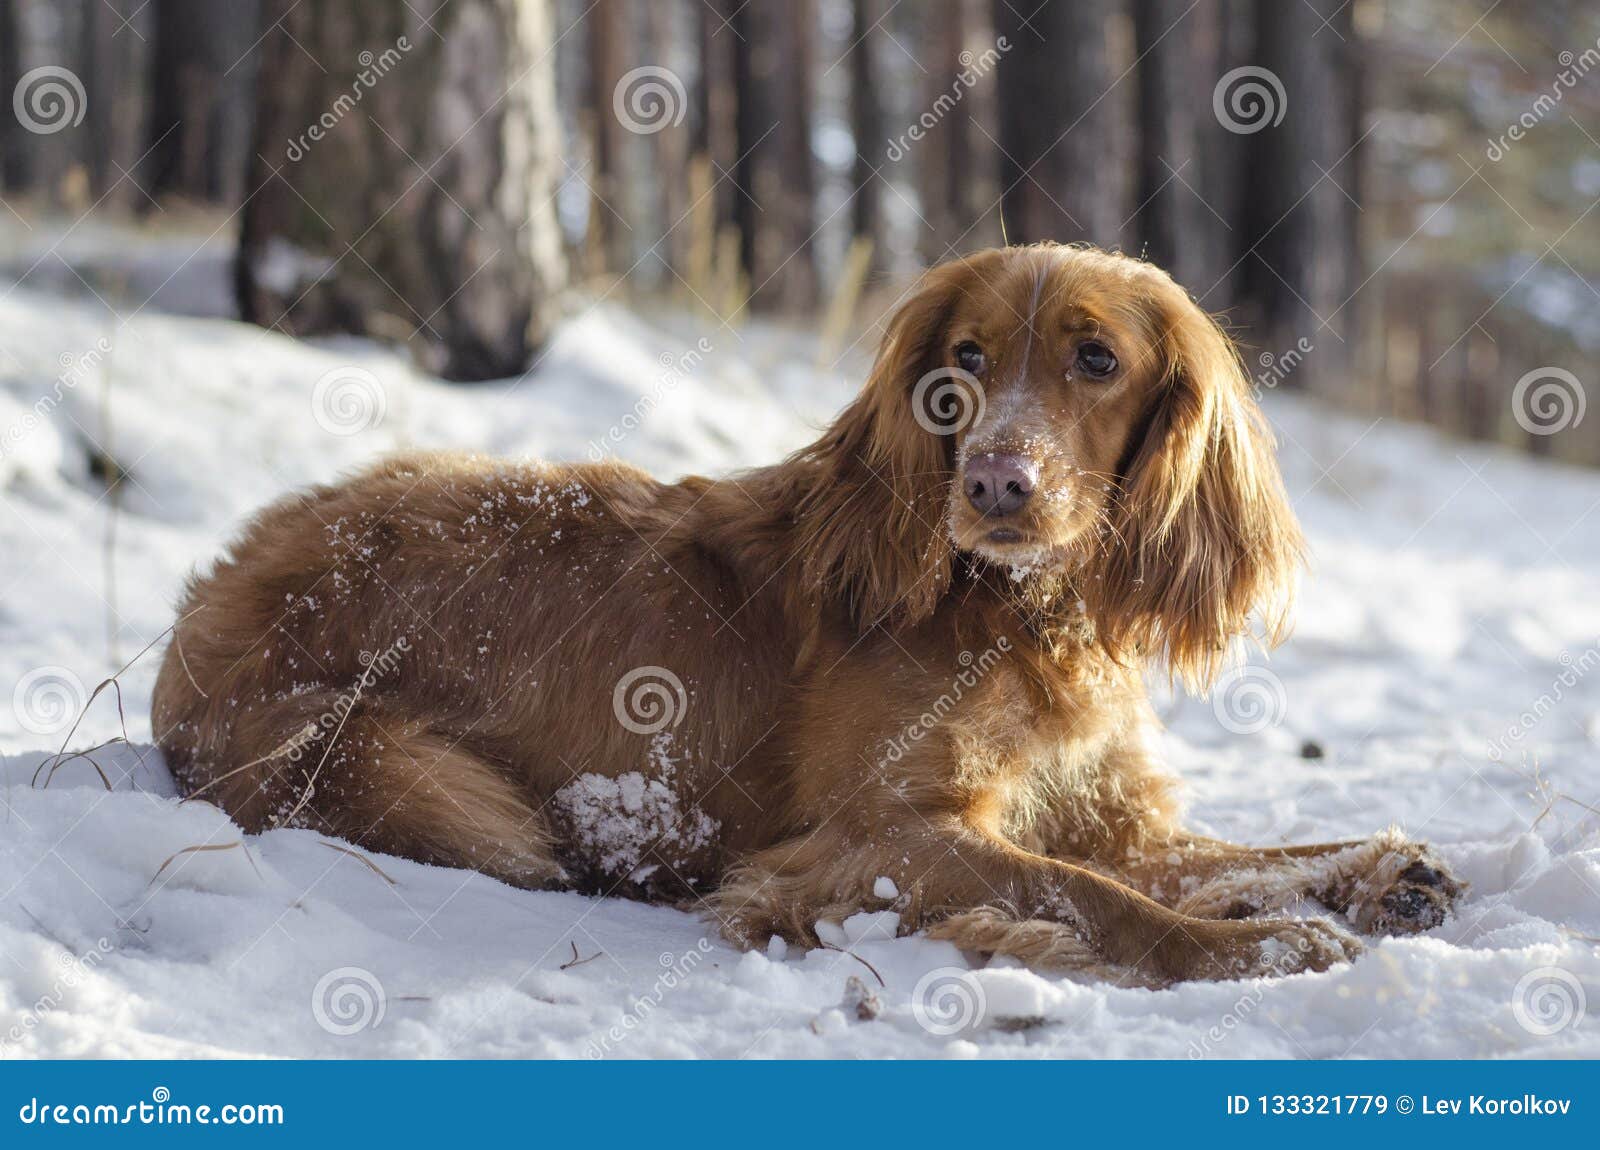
(866, 117)
(411, 187)
(609, 243)
(713, 133)
(944, 157)
(1300, 217)
(1062, 123)
(201, 81)
(14, 168)
(1225, 41)
(670, 147)
(1176, 227)
(44, 104)
(774, 173)
(116, 62)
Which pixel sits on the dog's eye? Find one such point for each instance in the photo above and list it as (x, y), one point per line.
(970, 357)
(1096, 358)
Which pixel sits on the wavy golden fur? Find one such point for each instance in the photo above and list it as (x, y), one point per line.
(913, 651)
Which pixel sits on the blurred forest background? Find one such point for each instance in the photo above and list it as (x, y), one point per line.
(1390, 201)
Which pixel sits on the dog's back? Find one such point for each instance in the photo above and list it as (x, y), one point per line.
(467, 661)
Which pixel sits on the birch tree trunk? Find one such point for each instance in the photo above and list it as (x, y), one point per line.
(403, 180)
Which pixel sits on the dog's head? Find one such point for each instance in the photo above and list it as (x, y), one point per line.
(1070, 415)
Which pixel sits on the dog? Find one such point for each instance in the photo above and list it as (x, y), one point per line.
(901, 670)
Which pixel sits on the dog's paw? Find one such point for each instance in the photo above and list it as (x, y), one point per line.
(1409, 891)
(1258, 948)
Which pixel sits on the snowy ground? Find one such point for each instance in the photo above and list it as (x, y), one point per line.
(1453, 606)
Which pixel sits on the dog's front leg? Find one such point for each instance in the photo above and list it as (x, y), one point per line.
(972, 868)
(968, 885)
(1384, 885)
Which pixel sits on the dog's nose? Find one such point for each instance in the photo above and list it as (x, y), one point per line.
(998, 485)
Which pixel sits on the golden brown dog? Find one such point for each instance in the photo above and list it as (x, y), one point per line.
(911, 652)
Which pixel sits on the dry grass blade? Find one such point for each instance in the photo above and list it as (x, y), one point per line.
(113, 682)
(46, 931)
(175, 855)
(288, 820)
(279, 751)
(177, 643)
(858, 958)
(361, 858)
(58, 761)
(576, 961)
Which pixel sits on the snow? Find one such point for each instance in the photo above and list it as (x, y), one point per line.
(1446, 666)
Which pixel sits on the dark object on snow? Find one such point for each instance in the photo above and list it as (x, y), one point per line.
(1311, 749)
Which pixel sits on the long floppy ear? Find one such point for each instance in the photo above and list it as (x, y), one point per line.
(872, 518)
(1201, 537)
